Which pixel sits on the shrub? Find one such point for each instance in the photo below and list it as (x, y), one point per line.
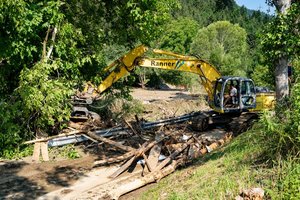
(282, 128)
(115, 107)
(289, 182)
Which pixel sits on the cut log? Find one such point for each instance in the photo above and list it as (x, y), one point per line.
(216, 144)
(134, 184)
(111, 142)
(138, 153)
(173, 155)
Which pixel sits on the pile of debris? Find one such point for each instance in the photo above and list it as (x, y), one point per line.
(158, 151)
(145, 152)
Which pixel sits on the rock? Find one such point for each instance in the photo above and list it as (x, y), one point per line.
(251, 194)
(238, 198)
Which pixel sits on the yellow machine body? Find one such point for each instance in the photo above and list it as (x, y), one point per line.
(265, 101)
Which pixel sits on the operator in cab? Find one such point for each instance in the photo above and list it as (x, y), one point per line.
(232, 97)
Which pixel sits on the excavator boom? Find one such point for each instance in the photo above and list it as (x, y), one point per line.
(123, 66)
(208, 74)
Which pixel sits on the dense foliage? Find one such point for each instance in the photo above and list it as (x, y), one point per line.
(282, 37)
(283, 129)
(52, 46)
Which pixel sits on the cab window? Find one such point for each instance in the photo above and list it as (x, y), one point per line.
(218, 93)
(247, 93)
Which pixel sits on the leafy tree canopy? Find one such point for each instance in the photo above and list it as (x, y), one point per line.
(178, 35)
(282, 38)
(224, 45)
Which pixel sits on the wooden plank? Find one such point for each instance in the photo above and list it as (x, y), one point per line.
(123, 168)
(36, 152)
(153, 156)
(44, 150)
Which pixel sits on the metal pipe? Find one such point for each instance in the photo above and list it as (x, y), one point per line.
(120, 130)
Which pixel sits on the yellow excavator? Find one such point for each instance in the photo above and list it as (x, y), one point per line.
(216, 85)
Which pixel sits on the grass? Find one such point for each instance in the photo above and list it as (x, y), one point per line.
(221, 174)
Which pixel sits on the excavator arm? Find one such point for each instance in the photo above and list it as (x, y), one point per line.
(208, 74)
(124, 65)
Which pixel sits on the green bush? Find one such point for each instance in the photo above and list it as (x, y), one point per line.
(289, 182)
(115, 107)
(10, 130)
(68, 151)
(180, 78)
(282, 128)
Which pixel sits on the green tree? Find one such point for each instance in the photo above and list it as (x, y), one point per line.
(207, 12)
(224, 45)
(281, 42)
(50, 47)
(178, 35)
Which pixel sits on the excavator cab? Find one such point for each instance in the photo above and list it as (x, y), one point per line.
(233, 94)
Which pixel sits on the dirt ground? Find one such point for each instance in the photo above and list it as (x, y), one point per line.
(160, 104)
(23, 179)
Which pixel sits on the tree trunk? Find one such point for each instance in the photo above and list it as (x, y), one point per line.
(282, 5)
(281, 77)
(281, 64)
